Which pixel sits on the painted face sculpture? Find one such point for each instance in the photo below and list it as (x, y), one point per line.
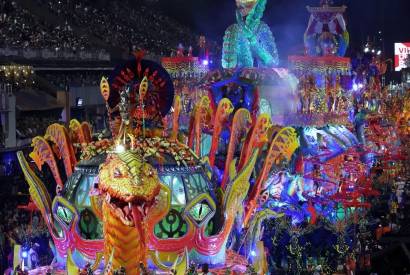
(327, 44)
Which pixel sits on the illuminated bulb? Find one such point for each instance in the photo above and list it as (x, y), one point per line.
(355, 87)
(119, 148)
(379, 52)
(253, 253)
(366, 50)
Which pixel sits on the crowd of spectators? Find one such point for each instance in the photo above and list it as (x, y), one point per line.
(121, 24)
(74, 79)
(19, 226)
(32, 126)
(8, 168)
(19, 28)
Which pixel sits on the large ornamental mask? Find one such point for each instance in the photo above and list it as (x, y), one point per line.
(328, 44)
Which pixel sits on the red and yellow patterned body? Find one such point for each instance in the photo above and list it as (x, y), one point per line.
(130, 249)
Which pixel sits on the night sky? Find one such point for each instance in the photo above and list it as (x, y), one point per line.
(288, 20)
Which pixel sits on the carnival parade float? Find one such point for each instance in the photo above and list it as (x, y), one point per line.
(270, 163)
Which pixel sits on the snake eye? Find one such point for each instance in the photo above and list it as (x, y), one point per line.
(149, 172)
(117, 173)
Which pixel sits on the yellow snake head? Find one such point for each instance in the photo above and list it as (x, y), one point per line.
(204, 111)
(227, 107)
(204, 105)
(263, 124)
(129, 186)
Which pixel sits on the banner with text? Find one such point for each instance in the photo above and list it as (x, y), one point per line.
(401, 52)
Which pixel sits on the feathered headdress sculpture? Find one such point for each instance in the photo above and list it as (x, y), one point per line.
(138, 95)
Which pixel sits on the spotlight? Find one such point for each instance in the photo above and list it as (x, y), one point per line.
(355, 87)
(24, 254)
(379, 52)
(253, 253)
(373, 51)
(366, 50)
(205, 62)
(120, 148)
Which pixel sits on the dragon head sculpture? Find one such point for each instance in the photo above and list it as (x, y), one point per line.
(129, 187)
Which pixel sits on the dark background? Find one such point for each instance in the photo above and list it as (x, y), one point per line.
(288, 20)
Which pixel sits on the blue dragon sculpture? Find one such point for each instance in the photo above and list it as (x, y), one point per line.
(249, 42)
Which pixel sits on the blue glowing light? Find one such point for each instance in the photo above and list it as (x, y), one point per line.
(355, 87)
(205, 62)
(24, 254)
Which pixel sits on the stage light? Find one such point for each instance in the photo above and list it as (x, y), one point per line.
(253, 253)
(366, 50)
(205, 62)
(355, 87)
(120, 148)
(24, 254)
(379, 52)
(361, 85)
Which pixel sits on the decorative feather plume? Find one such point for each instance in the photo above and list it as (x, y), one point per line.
(105, 88)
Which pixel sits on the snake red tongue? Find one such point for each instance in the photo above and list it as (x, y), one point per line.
(138, 215)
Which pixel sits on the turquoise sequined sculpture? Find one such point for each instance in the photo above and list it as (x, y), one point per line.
(249, 42)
